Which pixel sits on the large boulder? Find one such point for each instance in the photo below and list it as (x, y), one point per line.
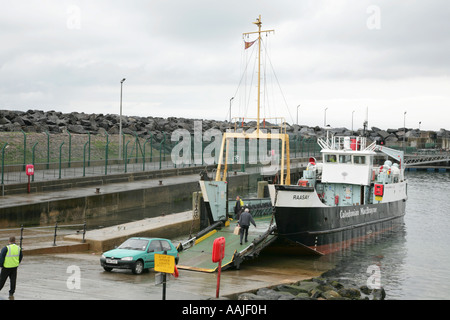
(351, 293)
(77, 128)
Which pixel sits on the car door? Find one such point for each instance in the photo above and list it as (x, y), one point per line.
(153, 247)
(165, 246)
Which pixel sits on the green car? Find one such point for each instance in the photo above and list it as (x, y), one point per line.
(137, 254)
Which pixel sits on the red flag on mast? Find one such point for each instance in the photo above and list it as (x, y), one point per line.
(249, 44)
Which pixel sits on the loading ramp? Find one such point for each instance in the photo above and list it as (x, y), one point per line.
(195, 253)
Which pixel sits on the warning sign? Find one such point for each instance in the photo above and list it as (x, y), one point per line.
(164, 263)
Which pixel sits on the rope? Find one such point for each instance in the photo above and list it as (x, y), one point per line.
(279, 86)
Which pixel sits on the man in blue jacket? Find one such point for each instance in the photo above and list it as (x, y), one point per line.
(244, 223)
(10, 258)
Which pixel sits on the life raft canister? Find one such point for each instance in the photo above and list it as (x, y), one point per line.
(379, 190)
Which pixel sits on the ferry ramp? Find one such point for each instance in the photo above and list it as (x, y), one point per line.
(196, 253)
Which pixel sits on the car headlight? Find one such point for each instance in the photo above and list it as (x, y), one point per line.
(127, 259)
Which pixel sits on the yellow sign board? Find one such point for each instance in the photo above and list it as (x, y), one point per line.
(164, 263)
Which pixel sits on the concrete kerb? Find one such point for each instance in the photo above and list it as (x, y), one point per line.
(61, 247)
(167, 226)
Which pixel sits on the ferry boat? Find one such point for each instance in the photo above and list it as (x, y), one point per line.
(342, 199)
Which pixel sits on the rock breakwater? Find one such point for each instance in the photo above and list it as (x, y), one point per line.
(75, 122)
(316, 289)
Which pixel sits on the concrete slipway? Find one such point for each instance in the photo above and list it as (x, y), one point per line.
(79, 276)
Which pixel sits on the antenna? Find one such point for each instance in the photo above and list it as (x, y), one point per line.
(366, 122)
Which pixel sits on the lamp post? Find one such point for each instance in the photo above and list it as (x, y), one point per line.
(120, 121)
(297, 113)
(231, 99)
(325, 118)
(404, 132)
(352, 119)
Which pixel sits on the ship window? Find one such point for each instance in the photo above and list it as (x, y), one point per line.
(330, 158)
(359, 159)
(345, 158)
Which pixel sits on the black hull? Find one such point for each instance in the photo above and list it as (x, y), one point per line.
(330, 229)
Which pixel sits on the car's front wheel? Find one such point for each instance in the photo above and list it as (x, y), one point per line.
(108, 269)
(138, 267)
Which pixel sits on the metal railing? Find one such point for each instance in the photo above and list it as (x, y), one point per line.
(48, 232)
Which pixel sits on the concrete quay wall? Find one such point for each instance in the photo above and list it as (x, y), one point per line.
(97, 181)
(84, 203)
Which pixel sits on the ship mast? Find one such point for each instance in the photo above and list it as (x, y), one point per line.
(258, 23)
(221, 174)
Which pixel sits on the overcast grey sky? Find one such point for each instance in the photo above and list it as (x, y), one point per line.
(183, 58)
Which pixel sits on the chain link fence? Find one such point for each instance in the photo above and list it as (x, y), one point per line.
(61, 156)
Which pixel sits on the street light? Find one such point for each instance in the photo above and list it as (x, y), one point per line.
(404, 132)
(352, 119)
(231, 99)
(297, 114)
(120, 121)
(325, 118)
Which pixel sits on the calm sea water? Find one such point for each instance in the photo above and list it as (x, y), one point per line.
(413, 262)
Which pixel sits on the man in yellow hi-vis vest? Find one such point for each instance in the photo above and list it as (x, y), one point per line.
(238, 208)
(10, 258)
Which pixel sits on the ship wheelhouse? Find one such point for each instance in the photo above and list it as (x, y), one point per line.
(346, 176)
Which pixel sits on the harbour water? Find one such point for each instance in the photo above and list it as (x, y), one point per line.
(412, 262)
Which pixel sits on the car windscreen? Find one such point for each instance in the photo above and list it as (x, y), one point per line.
(134, 244)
